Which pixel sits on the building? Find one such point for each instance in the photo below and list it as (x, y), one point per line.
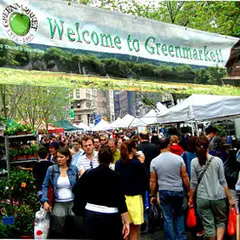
(84, 104)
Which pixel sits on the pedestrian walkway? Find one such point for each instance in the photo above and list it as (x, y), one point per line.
(157, 235)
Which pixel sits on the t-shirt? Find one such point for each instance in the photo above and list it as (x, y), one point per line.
(168, 167)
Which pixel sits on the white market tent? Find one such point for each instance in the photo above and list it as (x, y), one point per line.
(130, 121)
(102, 126)
(83, 126)
(116, 123)
(199, 107)
(151, 116)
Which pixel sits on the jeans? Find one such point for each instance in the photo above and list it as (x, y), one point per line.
(171, 204)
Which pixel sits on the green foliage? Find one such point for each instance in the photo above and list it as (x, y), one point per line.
(7, 231)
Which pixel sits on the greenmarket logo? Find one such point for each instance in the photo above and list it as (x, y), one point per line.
(20, 22)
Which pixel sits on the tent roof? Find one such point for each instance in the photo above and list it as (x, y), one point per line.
(201, 107)
(66, 125)
(102, 126)
(82, 126)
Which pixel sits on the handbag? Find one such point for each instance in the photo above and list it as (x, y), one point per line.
(50, 194)
(191, 218)
(232, 222)
(41, 224)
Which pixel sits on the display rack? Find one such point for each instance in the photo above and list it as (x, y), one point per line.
(4, 163)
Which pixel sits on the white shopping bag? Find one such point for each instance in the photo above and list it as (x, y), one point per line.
(41, 224)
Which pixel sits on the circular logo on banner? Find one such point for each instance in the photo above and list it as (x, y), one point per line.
(20, 22)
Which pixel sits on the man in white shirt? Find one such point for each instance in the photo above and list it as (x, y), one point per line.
(90, 158)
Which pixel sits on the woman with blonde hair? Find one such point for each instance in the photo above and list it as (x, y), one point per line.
(134, 182)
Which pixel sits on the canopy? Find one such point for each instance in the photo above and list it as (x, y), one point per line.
(130, 121)
(151, 116)
(83, 126)
(102, 126)
(201, 107)
(68, 127)
(116, 123)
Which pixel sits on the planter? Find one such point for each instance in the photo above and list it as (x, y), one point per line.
(27, 236)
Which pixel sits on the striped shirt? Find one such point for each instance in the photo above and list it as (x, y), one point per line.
(85, 163)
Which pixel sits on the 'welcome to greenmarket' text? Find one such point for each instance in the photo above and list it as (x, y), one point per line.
(151, 45)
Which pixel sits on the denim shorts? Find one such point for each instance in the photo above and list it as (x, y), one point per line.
(213, 214)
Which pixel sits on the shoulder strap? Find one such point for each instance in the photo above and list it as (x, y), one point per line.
(204, 170)
(53, 172)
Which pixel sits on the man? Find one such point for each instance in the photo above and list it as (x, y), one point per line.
(103, 140)
(97, 144)
(90, 158)
(53, 147)
(169, 171)
(77, 151)
(112, 143)
(212, 134)
(150, 150)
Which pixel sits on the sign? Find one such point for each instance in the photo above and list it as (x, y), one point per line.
(83, 29)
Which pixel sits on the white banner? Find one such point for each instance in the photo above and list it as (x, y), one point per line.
(43, 24)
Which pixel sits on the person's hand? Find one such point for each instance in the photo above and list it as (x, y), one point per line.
(190, 202)
(153, 200)
(125, 230)
(231, 203)
(141, 158)
(47, 207)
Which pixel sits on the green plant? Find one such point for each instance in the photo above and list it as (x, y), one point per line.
(7, 231)
(24, 220)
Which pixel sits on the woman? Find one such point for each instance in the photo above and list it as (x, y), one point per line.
(211, 191)
(134, 182)
(99, 198)
(63, 176)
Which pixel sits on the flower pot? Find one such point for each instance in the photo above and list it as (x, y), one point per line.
(27, 236)
(30, 157)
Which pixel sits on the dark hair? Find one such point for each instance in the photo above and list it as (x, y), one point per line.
(105, 155)
(155, 140)
(126, 148)
(144, 135)
(42, 152)
(164, 142)
(210, 129)
(201, 149)
(86, 138)
(192, 144)
(65, 151)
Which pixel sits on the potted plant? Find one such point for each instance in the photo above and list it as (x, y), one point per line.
(7, 231)
(24, 221)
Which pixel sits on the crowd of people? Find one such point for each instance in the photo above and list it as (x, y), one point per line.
(104, 184)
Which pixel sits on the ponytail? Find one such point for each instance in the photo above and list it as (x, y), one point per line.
(202, 149)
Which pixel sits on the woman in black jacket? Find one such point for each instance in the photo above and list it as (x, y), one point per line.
(100, 200)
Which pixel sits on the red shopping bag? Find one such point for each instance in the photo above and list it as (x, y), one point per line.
(191, 218)
(232, 222)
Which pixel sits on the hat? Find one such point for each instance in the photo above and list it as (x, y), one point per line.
(54, 144)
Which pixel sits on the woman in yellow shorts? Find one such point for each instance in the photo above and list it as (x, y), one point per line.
(134, 183)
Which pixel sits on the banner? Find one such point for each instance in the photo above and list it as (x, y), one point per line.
(42, 24)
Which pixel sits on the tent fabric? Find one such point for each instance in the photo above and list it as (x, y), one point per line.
(68, 127)
(116, 123)
(102, 126)
(151, 116)
(130, 121)
(82, 126)
(199, 107)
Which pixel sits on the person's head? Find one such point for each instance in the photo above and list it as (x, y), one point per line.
(102, 140)
(96, 143)
(210, 131)
(105, 155)
(144, 136)
(202, 149)
(155, 139)
(192, 144)
(88, 145)
(64, 156)
(112, 143)
(164, 144)
(128, 149)
(76, 144)
(42, 153)
(174, 139)
(53, 147)
(119, 143)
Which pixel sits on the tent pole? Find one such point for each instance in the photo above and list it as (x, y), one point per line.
(192, 128)
(197, 130)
